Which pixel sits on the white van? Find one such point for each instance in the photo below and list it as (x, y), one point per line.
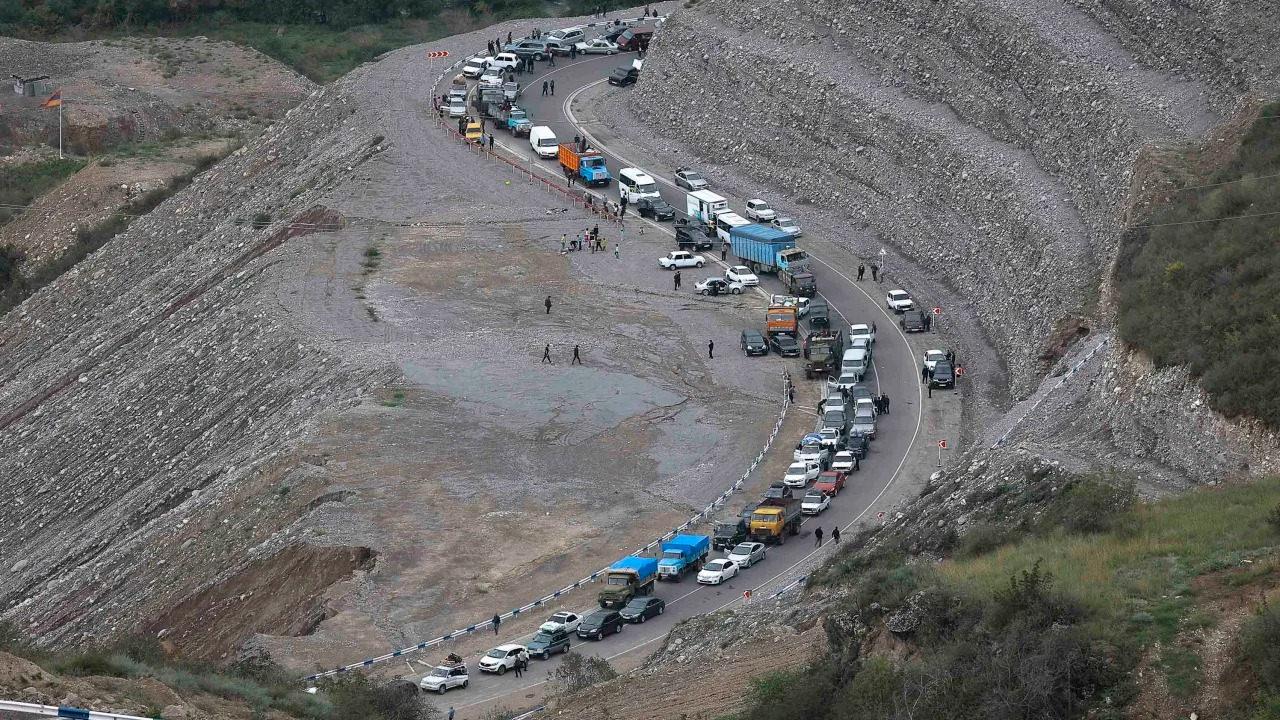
(856, 362)
(634, 184)
(543, 141)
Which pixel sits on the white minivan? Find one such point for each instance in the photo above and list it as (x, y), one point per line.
(543, 141)
(635, 184)
(856, 361)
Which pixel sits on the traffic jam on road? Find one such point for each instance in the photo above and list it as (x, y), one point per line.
(797, 323)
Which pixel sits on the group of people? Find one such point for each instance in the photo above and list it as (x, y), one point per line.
(817, 535)
(875, 272)
(590, 239)
(881, 403)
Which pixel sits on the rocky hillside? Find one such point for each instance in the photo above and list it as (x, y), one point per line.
(986, 145)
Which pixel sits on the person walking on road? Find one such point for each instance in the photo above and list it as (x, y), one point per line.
(676, 280)
(490, 142)
(497, 621)
(564, 243)
(450, 715)
(546, 358)
(884, 400)
(875, 272)
(817, 537)
(724, 251)
(924, 374)
(547, 303)
(862, 269)
(711, 349)
(553, 83)
(576, 358)
(617, 251)
(835, 534)
(544, 88)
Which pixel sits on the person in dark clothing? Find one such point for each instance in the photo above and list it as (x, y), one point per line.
(857, 463)
(519, 670)
(508, 37)
(547, 303)
(928, 321)
(924, 374)
(862, 269)
(576, 358)
(546, 354)
(711, 349)
(497, 621)
(544, 88)
(885, 399)
(875, 272)
(676, 280)
(573, 52)
(490, 142)
(951, 358)
(817, 537)
(462, 125)
(929, 387)
(791, 393)
(835, 534)
(553, 82)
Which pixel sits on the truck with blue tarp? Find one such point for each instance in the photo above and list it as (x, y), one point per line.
(631, 576)
(764, 248)
(681, 554)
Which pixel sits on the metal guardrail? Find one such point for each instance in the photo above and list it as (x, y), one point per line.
(705, 514)
(64, 711)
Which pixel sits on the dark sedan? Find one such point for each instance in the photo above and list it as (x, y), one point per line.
(624, 76)
(642, 608)
(944, 376)
(784, 344)
(753, 343)
(655, 208)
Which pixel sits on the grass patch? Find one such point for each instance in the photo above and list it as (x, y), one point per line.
(21, 184)
(15, 286)
(1203, 291)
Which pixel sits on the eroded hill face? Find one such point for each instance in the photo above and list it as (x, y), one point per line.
(987, 144)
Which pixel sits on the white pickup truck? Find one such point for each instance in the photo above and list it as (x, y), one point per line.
(444, 678)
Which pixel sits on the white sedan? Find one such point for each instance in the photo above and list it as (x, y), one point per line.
(562, 620)
(741, 274)
(748, 553)
(933, 357)
(760, 211)
(599, 46)
(717, 571)
(800, 473)
(680, 259)
(475, 65)
(722, 286)
(814, 503)
(788, 226)
(899, 301)
(492, 78)
(457, 108)
(862, 331)
(843, 462)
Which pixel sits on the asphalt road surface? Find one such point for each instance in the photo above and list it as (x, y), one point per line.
(895, 373)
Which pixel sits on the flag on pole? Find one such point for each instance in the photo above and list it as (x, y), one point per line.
(54, 101)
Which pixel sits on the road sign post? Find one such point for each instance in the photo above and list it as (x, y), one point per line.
(942, 445)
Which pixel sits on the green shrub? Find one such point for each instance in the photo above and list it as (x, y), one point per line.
(1091, 505)
(982, 539)
(21, 184)
(1260, 646)
(1199, 283)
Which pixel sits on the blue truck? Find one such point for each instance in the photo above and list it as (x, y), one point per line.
(681, 554)
(584, 163)
(631, 576)
(764, 248)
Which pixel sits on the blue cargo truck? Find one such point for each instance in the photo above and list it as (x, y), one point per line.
(681, 554)
(769, 249)
(631, 576)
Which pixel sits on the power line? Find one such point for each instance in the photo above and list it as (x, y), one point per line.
(1206, 220)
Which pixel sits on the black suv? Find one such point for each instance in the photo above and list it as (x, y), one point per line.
(600, 623)
(688, 237)
(753, 343)
(642, 608)
(545, 644)
(944, 376)
(624, 75)
(784, 344)
(912, 321)
(656, 208)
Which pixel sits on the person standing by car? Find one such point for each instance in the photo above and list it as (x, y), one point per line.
(884, 400)
(676, 279)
